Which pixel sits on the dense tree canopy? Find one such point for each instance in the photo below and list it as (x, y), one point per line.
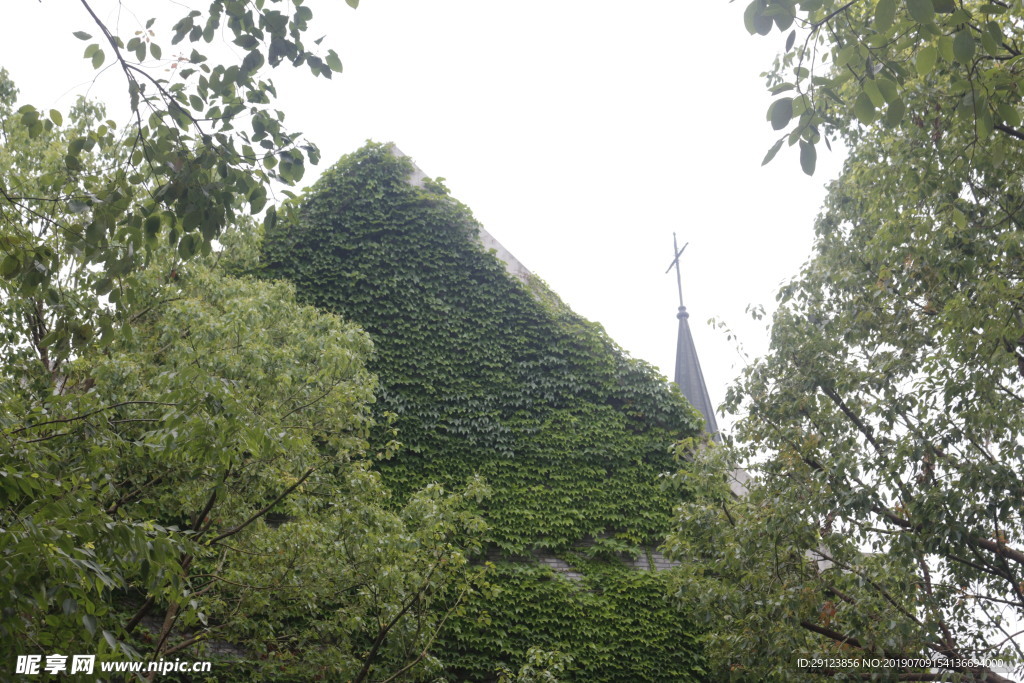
(940, 65)
(185, 456)
(201, 143)
(885, 421)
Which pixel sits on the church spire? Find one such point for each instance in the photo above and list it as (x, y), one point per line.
(689, 377)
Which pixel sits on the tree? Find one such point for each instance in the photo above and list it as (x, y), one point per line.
(144, 484)
(941, 64)
(885, 421)
(199, 150)
(185, 454)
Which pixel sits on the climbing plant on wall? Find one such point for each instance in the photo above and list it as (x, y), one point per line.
(482, 373)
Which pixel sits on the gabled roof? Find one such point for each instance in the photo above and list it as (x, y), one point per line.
(512, 264)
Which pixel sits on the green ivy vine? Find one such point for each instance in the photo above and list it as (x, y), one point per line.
(481, 373)
(614, 623)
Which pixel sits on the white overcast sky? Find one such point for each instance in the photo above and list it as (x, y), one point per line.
(582, 134)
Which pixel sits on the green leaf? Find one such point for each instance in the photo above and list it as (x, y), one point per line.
(151, 227)
(985, 123)
(874, 92)
(846, 55)
(864, 109)
(257, 200)
(921, 11)
(991, 44)
(998, 155)
(56, 117)
(780, 112)
(51, 337)
(959, 219)
(783, 19)
(755, 20)
(10, 266)
(885, 13)
(964, 46)
(790, 40)
(155, 50)
(773, 151)
(894, 113)
(1009, 114)
(187, 247)
(81, 35)
(889, 90)
(352, 3)
(333, 62)
(808, 157)
(945, 45)
(97, 58)
(926, 59)
(944, 6)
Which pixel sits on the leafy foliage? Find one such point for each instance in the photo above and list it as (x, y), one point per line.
(483, 374)
(611, 625)
(937, 64)
(886, 419)
(144, 484)
(200, 149)
(198, 480)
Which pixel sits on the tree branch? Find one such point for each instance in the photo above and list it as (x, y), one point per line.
(89, 414)
(235, 529)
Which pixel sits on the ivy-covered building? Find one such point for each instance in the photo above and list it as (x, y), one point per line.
(483, 370)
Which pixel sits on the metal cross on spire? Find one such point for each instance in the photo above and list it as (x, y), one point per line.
(675, 264)
(688, 375)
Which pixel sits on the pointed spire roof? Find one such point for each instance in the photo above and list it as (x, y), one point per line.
(689, 377)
